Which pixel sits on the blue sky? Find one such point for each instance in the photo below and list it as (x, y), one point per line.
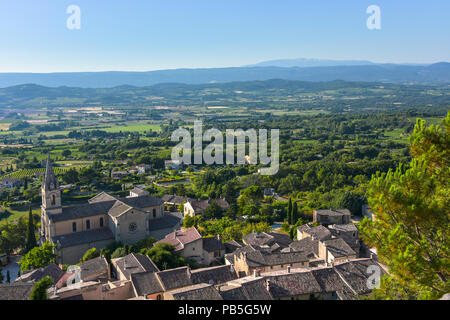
(141, 35)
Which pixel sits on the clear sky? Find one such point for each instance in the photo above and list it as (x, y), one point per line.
(141, 35)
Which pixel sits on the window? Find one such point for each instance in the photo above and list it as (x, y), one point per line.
(101, 222)
(53, 197)
(88, 224)
(154, 213)
(132, 227)
(158, 297)
(74, 227)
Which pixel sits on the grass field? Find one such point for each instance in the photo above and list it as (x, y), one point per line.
(15, 214)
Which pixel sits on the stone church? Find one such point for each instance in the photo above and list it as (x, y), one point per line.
(101, 221)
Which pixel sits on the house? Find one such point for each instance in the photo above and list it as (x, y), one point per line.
(200, 291)
(124, 267)
(99, 222)
(331, 216)
(252, 287)
(9, 183)
(349, 233)
(188, 243)
(197, 207)
(143, 168)
(171, 202)
(93, 290)
(147, 284)
(334, 250)
(95, 269)
(307, 245)
(269, 192)
(172, 164)
(137, 192)
(213, 275)
(213, 250)
(317, 233)
(274, 240)
(16, 290)
(154, 285)
(52, 270)
(249, 259)
(344, 281)
(117, 175)
(232, 246)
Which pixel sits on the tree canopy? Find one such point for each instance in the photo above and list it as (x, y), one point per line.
(411, 229)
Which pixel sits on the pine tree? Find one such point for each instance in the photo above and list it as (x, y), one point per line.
(31, 238)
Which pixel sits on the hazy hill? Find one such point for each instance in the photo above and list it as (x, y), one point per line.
(435, 73)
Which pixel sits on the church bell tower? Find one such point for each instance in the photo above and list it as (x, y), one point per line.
(51, 194)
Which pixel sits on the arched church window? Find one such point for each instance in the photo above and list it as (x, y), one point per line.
(101, 222)
(154, 213)
(74, 226)
(88, 224)
(53, 201)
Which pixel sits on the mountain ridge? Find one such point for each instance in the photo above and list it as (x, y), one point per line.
(434, 73)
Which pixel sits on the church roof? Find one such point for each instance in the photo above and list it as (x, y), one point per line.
(77, 238)
(104, 203)
(50, 181)
(165, 222)
(82, 211)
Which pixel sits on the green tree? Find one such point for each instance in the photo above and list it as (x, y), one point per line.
(31, 237)
(90, 254)
(8, 277)
(40, 289)
(165, 257)
(71, 176)
(411, 207)
(213, 211)
(294, 215)
(38, 257)
(289, 211)
(119, 252)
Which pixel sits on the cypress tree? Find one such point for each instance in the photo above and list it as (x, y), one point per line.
(289, 213)
(8, 277)
(294, 213)
(31, 238)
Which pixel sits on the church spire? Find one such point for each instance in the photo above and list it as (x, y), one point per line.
(50, 182)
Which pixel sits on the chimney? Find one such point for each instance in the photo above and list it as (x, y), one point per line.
(268, 285)
(188, 271)
(256, 273)
(289, 269)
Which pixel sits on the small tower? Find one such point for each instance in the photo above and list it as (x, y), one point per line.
(51, 194)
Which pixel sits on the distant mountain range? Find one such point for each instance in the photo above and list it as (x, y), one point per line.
(434, 73)
(305, 63)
